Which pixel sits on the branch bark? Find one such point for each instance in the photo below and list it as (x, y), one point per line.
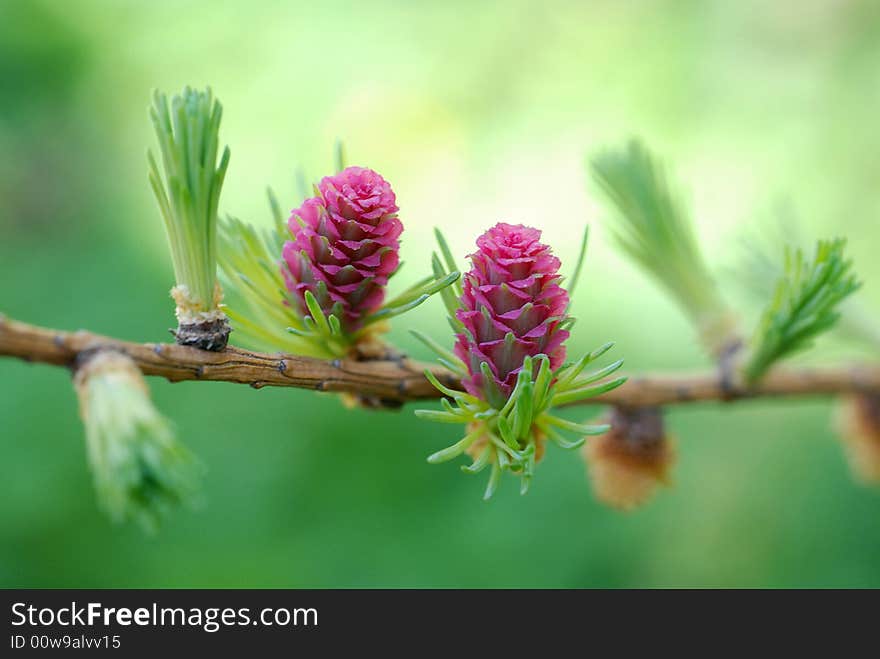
(398, 381)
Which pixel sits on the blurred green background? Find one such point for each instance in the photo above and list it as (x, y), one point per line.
(476, 112)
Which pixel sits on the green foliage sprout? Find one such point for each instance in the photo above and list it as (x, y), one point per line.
(804, 305)
(759, 269)
(140, 470)
(188, 195)
(653, 227)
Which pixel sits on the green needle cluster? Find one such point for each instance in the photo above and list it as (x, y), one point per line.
(654, 228)
(804, 305)
(188, 189)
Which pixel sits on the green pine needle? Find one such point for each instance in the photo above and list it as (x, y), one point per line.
(278, 221)
(804, 305)
(340, 159)
(575, 278)
(412, 297)
(448, 259)
(447, 356)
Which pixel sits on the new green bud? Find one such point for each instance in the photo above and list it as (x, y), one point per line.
(140, 470)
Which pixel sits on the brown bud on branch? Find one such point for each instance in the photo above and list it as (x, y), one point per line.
(628, 463)
(859, 427)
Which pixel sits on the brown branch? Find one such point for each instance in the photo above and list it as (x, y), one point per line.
(642, 390)
(397, 381)
(390, 380)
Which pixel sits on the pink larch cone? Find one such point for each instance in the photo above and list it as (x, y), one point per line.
(512, 288)
(347, 238)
